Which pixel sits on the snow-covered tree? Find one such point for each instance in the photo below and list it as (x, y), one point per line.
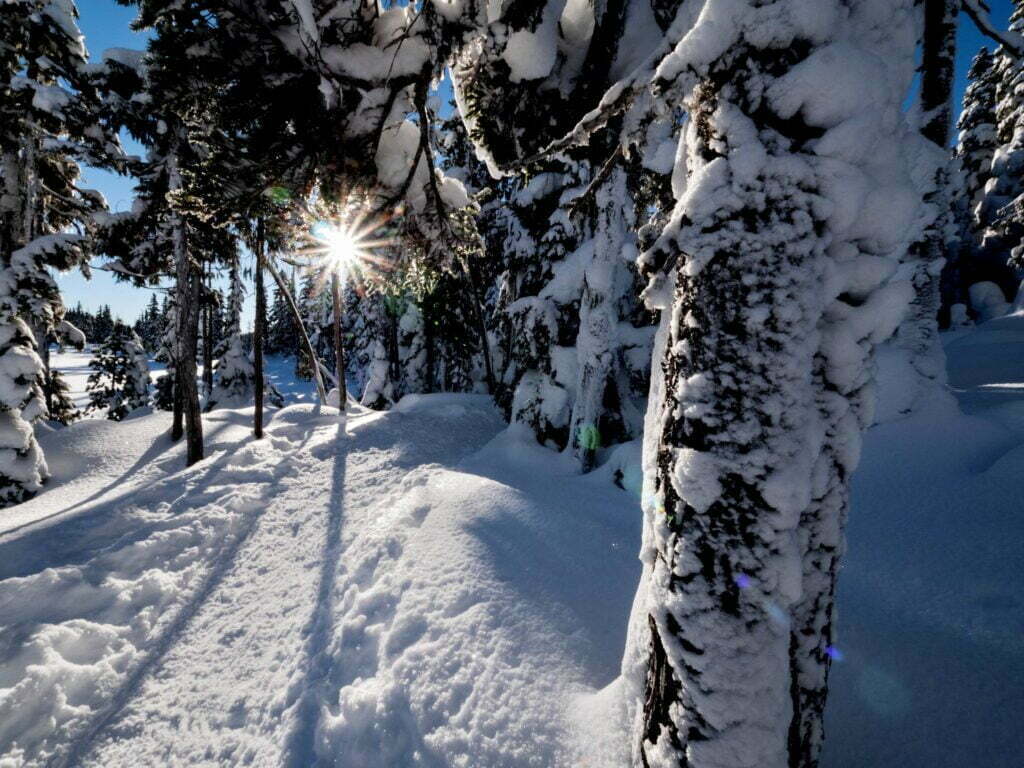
(22, 466)
(774, 283)
(119, 382)
(976, 142)
(1002, 210)
(49, 123)
(375, 334)
(282, 336)
(59, 405)
(975, 149)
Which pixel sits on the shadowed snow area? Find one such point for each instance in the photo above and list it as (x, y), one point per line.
(425, 588)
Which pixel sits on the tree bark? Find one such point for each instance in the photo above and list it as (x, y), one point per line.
(938, 62)
(178, 418)
(339, 347)
(930, 308)
(765, 387)
(207, 309)
(480, 312)
(259, 331)
(188, 323)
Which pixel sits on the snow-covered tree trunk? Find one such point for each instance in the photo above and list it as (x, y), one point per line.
(919, 333)
(598, 343)
(774, 277)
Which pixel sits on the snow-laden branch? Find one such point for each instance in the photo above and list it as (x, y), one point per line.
(978, 11)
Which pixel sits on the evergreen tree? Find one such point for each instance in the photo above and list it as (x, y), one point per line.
(60, 406)
(976, 142)
(119, 381)
(234, 374)
(1003, 208)
(49, 122)
(975, 149)
(282, 335)
(22, 466)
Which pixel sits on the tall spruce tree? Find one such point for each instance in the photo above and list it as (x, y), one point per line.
(1004, 198)
(975, 150)
(49, 123)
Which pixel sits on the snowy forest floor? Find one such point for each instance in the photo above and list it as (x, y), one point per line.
(426, 588)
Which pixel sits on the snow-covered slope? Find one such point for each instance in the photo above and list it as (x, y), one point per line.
(428, 589)
(931, 598)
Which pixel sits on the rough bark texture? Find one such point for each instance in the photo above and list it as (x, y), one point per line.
(765, 385)
(258, 333)
(189, 279)
(339, 347)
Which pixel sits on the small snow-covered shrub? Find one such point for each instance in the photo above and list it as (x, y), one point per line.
(988, 300)
(58, 399)
(119, 380)
(22, 466)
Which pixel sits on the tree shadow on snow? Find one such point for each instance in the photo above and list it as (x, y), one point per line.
(110, 524)
(300, 748)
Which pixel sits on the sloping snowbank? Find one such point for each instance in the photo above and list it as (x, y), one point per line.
(428, 589)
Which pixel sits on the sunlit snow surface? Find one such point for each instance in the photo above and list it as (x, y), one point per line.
(425, 589)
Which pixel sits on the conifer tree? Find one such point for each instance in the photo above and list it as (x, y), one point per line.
(49, 123)
(975, 149)
(119, 382)
(23, 469)
(976, 142)
(59, 405)
(235, 375)
(1003, 208)
(282, 336)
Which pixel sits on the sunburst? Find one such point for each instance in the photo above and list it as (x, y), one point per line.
(353, 249)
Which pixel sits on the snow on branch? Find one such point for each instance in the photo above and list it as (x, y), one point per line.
(978, 10)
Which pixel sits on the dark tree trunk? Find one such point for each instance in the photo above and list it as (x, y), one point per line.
(178, 419)
(189, 278)
(339, 346)
(207, 309)
(480, 312)
(931, 308)
(938, 62)
(259, 331)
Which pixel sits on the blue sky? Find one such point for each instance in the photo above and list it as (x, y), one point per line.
(105, 24)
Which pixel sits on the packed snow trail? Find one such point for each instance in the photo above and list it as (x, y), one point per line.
(430, 591)
(175, 624)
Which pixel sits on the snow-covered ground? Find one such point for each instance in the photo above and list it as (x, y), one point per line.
(424, 588)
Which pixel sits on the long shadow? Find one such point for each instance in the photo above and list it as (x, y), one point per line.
(300, 748)
(82, 744)
(68, 541)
